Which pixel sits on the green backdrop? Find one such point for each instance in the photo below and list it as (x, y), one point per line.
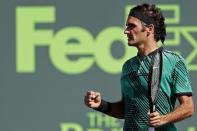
(52, 52)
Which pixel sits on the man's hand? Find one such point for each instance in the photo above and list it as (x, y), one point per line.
(155, 119)
(92, 99)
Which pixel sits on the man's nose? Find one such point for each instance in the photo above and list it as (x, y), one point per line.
(126, 31)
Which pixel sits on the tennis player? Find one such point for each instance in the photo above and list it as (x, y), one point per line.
(145, 27)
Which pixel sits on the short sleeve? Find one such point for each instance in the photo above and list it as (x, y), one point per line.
(181, 80)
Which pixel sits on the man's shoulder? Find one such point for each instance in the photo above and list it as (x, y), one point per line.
(172, 56)
(131, 60)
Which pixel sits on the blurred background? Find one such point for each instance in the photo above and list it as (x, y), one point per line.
(52, 52)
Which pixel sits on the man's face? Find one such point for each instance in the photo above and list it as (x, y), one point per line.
(135, 31)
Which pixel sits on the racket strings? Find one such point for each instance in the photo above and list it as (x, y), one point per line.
(155, 79)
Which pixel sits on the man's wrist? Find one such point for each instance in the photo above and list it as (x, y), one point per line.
(104, 107)
(163, 120)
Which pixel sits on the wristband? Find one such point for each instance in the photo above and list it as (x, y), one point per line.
(104, 107)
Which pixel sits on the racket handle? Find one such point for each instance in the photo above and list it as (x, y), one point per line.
(153, 109)
(151, 129)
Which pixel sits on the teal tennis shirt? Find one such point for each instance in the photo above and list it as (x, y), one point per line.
(134, 86)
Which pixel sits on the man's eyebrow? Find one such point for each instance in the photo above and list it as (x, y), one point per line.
(130, 24)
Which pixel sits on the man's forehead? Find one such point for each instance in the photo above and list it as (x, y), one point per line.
(132, 20)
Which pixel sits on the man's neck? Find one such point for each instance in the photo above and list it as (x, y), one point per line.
(147, 48)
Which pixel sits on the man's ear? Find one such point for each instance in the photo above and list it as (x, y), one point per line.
(150, 29)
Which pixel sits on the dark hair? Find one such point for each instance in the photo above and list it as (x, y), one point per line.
(150, 14)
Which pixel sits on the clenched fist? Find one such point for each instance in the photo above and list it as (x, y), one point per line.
(92, 99)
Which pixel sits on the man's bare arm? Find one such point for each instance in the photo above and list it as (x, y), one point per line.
(184, 110)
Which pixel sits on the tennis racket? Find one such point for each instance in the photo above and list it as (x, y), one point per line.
(154, 82)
